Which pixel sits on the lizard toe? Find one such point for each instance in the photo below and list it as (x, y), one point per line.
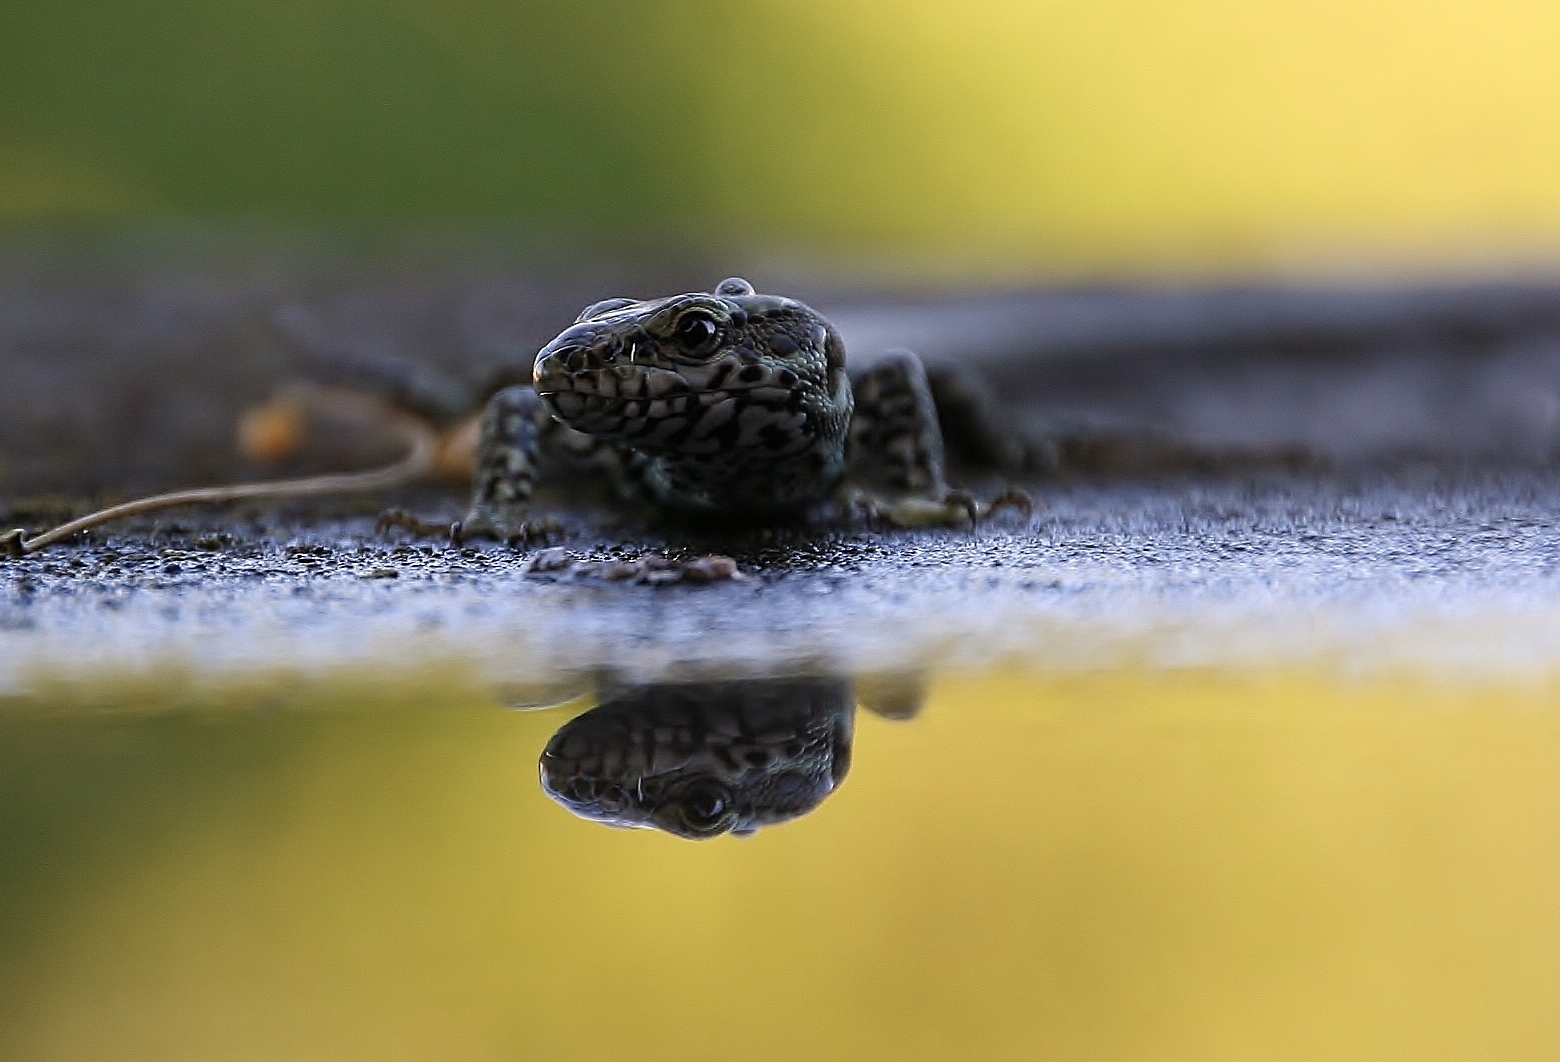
(954, 509)
(393, 518)
(511, 529)
(1012, 498)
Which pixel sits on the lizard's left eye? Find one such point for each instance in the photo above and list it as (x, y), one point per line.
(700, 808)
(696, 332)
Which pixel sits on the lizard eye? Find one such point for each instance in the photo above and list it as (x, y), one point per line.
(696, 332)
(702, 808)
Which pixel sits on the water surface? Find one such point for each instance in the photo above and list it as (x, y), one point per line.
(1123, 863)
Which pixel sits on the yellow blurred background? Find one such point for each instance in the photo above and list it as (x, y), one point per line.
(1054, 135)
(1121, 865)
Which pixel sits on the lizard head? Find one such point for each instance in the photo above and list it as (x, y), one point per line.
(700, 759)
(700, 373)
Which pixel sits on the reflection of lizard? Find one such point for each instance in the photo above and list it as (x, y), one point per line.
(698, 759)
(727, 406)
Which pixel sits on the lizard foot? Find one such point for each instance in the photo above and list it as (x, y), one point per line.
(954, 509)
(649, 570)
(510, 529)
(407, 522)
(1012, 498)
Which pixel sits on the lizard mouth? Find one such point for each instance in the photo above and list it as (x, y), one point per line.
(554, 379)
(570, 404)
(702, 422)
(643, 421)
(725, 405)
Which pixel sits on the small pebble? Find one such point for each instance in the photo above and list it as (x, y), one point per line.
(555, 559)
(711, 569)
(622, 571)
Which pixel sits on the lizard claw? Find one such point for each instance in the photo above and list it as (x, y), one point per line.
(1012, 498)
(509, 531)
(406, 521)
(954, 509)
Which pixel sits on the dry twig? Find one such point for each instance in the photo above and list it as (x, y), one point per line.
(421, 459)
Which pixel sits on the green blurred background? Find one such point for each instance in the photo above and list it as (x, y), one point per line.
(1053, 135)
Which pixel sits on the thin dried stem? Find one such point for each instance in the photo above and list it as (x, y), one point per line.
(423, 449)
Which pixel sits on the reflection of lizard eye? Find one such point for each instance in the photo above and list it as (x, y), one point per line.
(703, 808)
(706, 803)
(696, 332)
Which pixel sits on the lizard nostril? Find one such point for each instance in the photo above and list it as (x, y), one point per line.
(549, 374)
(570, 358)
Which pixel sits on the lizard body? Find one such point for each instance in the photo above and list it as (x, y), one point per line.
(728, 405)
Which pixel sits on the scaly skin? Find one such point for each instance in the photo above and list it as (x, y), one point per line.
(736, 403)
(699, 759)
(728, 405)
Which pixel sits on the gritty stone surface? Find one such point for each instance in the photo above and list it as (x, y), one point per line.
(1432, 569)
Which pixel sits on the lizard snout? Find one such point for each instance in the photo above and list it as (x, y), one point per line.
(551, 375)
(559, 363)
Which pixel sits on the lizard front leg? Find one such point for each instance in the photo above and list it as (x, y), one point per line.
(896, 454)
(515, 425)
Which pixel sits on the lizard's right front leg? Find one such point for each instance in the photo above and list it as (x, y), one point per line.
(896, 451)
(514, 427)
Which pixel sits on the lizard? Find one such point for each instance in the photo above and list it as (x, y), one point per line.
(728, 406)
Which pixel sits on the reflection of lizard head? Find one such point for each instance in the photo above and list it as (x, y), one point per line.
(700, 759)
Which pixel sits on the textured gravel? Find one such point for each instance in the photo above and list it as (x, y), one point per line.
(1455, 572)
